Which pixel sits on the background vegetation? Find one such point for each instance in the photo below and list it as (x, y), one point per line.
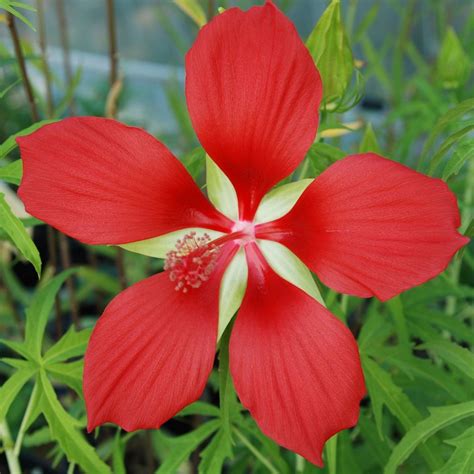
(398, 81)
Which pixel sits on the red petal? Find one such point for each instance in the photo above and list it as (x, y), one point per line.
(151, 351)
(253, 94)
(370, 226)
(295, 366)
(105, 183)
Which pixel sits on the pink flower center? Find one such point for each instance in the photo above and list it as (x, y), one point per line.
(194, 258)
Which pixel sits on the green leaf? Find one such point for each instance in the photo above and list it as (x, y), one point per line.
(10, 144)
(369, 141)
(18, 234)
(68, 97)
(447, 119)
(453, 65)
(232, 290)
(446, 145)
(183, 446)
(383, 391)
(72, 344)
(12, 173)
(158, 247)
(286, 264)
(39, 310)
(221, 191)
(330, 49)
(215, 454)
(464, 152)
(7, 89)
(438, 419)
(321, 156)
(462, 460)
(69, 374)
(193, 9)
(200, 408)
(279, 201)
(9, 7)
(11, 388)
(458, 356)
(64, 430)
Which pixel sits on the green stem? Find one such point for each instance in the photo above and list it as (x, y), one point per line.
(227, 397)
(255, 451)
(25, 421)
(300, 463)
(12, 459)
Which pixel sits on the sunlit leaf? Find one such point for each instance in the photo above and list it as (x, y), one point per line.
(16, 231)
(193, 9)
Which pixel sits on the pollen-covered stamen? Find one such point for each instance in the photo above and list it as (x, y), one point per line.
(192, 262)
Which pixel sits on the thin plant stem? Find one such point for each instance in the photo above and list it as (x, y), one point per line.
(24, 421)
(211, 9)
(113, 55)
(63, 33)
(22, 65)
(113, 77)
(12, 460)
(44, 58)
(300, 463)
(248, 444)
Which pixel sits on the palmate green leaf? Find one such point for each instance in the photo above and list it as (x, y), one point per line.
(12, 173)
(39, 310)
(69, 374)
(438, 419)
(16, 231)
(327, 41)
(183, 446)
(72, 344)
(11, 388)
(462, 460)
(383, 391)
(10, 144)
(64, 430)
(215, 454)
(453, 354)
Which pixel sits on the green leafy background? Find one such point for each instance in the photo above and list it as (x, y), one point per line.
(415, 349)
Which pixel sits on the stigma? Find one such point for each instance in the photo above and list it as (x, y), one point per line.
(192, 261)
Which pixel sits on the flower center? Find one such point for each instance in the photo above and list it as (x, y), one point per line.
(194, 258)
(192, 262)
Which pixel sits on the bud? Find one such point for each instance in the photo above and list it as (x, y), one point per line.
(453, 66)
(330, 49)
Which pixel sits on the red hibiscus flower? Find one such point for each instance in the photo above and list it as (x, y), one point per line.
(366, 226)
